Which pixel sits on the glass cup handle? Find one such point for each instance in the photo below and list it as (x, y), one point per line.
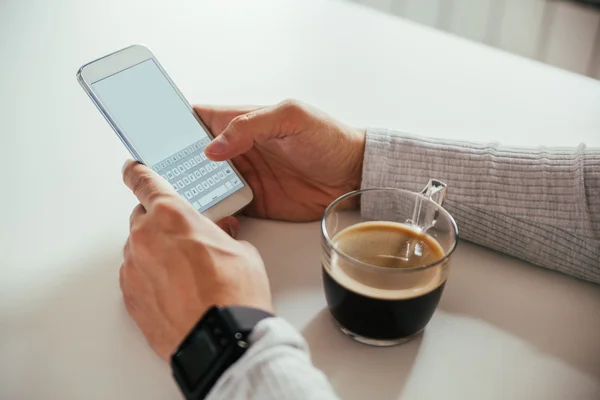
(436, 192)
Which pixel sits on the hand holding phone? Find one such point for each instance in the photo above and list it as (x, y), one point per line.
(177, 264)
(161, 130)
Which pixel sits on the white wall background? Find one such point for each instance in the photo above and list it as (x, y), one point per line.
(560, 33)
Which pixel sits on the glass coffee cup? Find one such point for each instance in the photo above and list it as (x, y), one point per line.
(385, 259)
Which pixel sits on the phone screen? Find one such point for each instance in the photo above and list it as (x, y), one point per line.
(165, 134)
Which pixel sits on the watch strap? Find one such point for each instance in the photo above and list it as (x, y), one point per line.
(243, 319)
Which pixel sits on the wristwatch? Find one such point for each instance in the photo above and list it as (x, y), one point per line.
(217, 341)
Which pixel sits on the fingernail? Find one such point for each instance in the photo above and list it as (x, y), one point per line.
(124, 165)
(234, 227)
(217, 146)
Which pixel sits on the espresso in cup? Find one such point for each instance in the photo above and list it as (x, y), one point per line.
(385, 261)
(370, 303)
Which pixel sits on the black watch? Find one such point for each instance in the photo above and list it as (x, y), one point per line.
(216, 342)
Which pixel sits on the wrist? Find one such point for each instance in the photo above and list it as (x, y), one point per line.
(358, 139)
(216, 342)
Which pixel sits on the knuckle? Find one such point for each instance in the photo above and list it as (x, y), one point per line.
(138, 235)
(168, 214)
(289, 104)
(239, 122)
(292, 106)
(162, 207)
(165, 208)
(141, 182)
(294, 115)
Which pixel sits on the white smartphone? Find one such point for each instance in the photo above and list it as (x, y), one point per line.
(161, 129)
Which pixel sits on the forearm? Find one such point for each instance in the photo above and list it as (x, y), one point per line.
(541, 205)
(276, 366)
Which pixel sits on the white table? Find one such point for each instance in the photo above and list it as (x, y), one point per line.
(504, 329)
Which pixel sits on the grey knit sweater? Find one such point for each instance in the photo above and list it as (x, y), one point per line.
(540, 205)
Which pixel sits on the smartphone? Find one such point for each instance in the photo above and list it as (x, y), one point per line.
(161, 129)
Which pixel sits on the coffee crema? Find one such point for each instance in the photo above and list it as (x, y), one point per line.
(385, 295)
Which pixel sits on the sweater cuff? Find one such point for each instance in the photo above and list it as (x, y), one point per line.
(384, 165)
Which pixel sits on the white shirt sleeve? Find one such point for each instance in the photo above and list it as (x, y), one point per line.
(277, 366)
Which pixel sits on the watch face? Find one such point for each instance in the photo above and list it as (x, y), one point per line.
(217, 341)
(197, 357)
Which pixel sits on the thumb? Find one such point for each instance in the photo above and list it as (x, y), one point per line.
(255, 127)
(217, 118)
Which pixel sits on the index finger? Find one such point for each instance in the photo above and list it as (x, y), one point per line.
(145, 184)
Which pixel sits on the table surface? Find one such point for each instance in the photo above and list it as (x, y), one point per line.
(504, 329)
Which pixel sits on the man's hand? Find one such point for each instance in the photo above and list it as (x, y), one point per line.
(178, 263)
(296, 159)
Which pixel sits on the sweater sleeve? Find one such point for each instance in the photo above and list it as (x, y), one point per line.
(541, 205)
